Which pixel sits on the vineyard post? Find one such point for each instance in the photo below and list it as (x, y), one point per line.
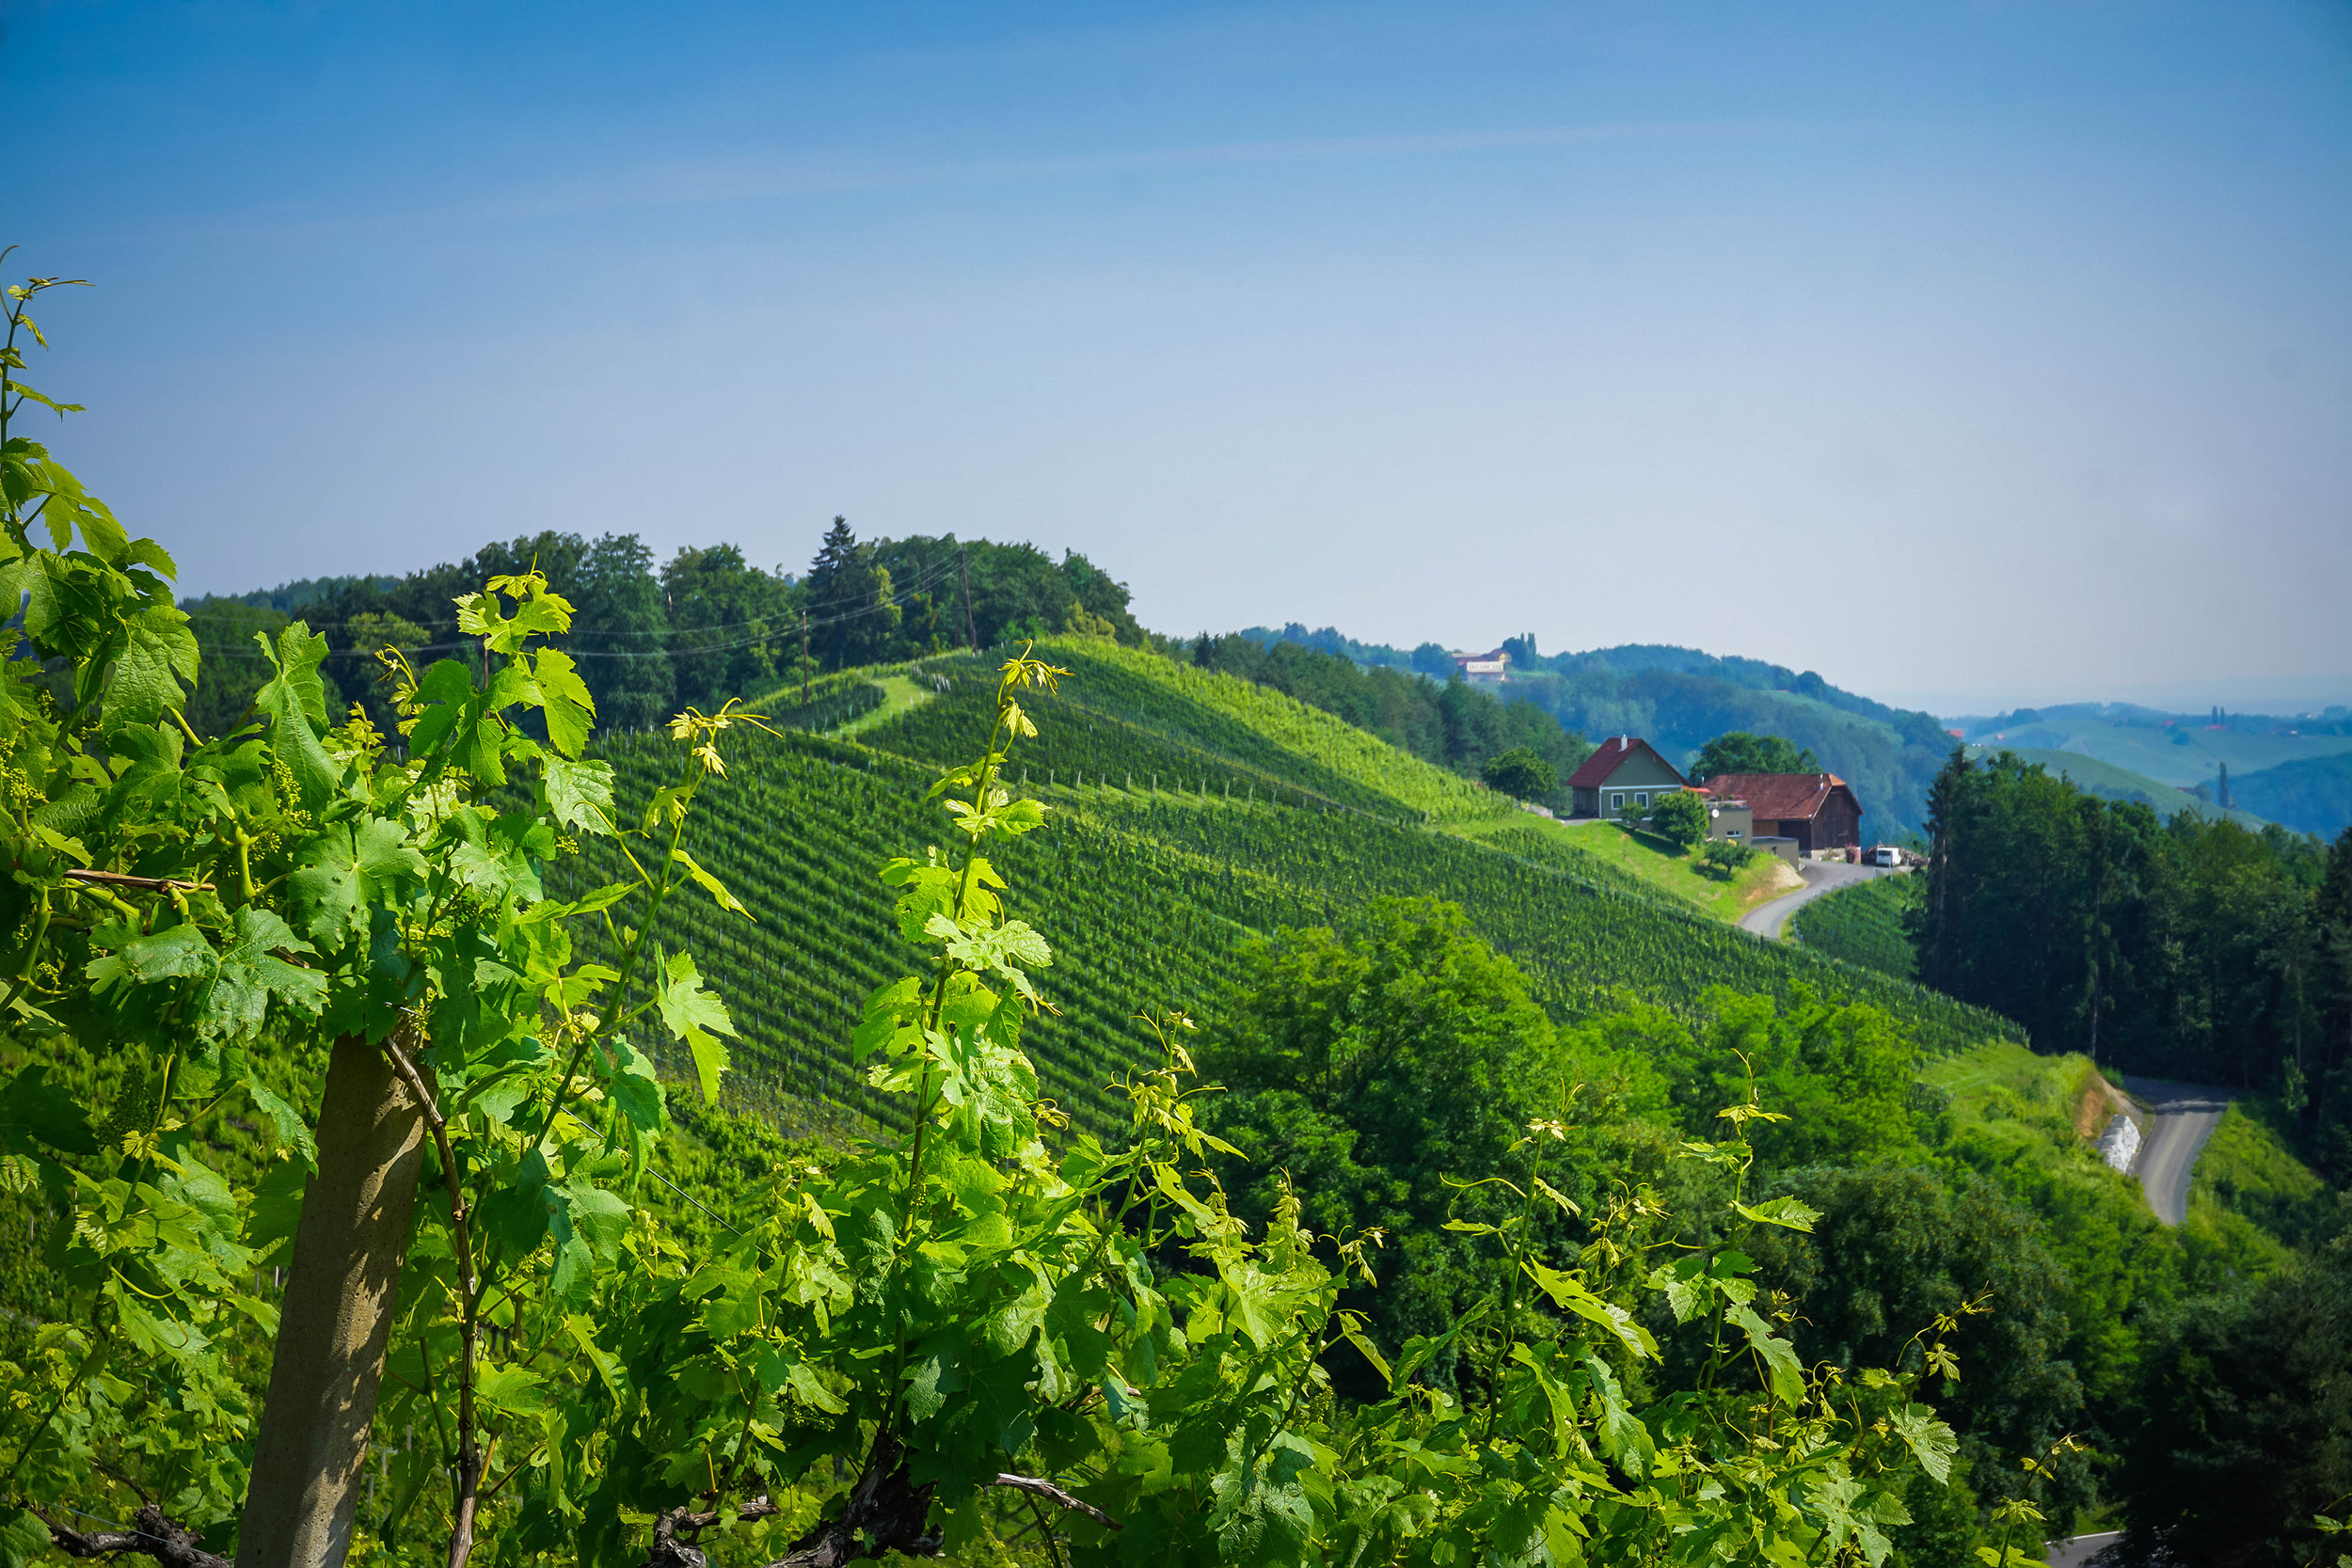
(349, 1243)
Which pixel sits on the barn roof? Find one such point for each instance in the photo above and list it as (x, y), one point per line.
(1797, 796)
(1612, 755)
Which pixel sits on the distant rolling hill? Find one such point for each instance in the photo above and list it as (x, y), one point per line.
(2109, 781)
(2183, 752)
(1680, 699)
(2312, 795)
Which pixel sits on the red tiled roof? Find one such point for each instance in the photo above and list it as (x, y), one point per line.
(1791, 796)
(1609, 757)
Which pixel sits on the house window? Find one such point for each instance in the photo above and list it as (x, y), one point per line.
(1731, 833)
(1616, 803)
(1642, 798)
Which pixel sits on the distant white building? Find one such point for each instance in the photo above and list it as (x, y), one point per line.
(1487, 668)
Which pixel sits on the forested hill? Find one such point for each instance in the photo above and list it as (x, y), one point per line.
(1682, 698)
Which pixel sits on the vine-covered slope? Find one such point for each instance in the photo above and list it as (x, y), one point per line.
(1195, 810)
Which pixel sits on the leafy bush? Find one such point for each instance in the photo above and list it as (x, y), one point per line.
(1679, 817)
(1521, 774)
(1726, 858)
(1369, 1067)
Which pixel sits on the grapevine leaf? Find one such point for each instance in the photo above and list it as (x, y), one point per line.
(1572, 1296)
(160, 653)
(294, 699)
(695, 1017)
(1779, 1356)
(178, 954)
(344, 873)
(250, 974)
(709, 884)
(579, 794)
(516, 1211)
(611, 1371)
(1623, 1438)
(284, 1120)
(1365, 1347)
(998, 951)
(516, 1390)
(586, 1224)
(277, 1205)
(812, 1393)
(446, 700)
(1685, 1283)
(1786, 1211)
(571, 712)
(1930, 1440)
(1421, 1349)
(631, 1085)
(736, 1307)
(33, 1107)
(886, 1013)
(24, 1539)
(929, 1382)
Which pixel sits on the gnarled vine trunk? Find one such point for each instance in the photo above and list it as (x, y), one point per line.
(336, 1317)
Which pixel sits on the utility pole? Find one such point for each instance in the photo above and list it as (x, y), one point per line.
(964, 571)
(804, 658)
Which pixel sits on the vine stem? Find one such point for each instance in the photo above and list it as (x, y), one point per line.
(938, 1002)
(661, 891)
(470, 1458)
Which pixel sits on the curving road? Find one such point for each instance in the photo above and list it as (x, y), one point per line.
(1769, 919)
(2079, 1549)
(2180, 1116)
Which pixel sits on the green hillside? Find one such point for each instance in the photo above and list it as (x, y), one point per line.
(2313, 795)
(2113, 783)
(2181, 755)
(1197, 809)
(1682, 698)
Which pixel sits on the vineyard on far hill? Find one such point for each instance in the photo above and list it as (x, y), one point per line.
(1126, 715)
(1193, 827)
(1863, 925)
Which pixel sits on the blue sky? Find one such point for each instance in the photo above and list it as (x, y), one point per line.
(1969, 353)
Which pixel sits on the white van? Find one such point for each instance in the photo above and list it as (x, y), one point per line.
(1883, 854)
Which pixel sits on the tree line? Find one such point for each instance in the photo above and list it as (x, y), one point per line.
(652, 638)
(2186, 948)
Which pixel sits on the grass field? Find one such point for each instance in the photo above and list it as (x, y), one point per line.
(1661, 868)
(899, 694)
(2247, 1179)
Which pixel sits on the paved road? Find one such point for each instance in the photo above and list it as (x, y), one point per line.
(2077, 1550)
(1767, 920)
(2183, 1117)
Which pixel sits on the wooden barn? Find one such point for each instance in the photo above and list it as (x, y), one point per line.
(1817, 810)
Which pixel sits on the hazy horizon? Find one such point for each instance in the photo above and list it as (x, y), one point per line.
(1971, 356)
